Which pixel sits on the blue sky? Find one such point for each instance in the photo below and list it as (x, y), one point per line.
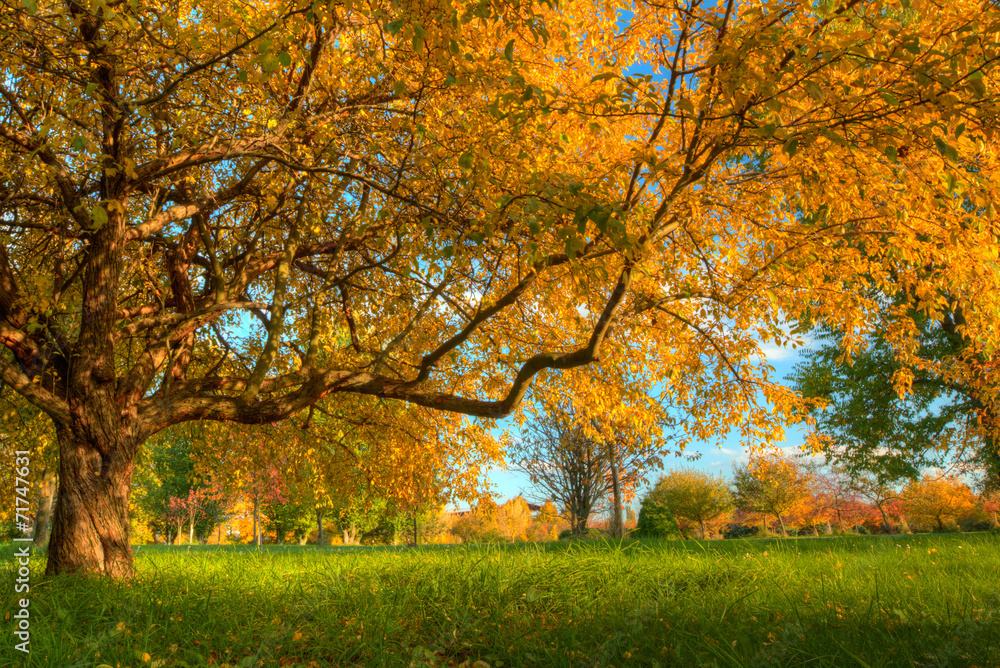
(716, 458)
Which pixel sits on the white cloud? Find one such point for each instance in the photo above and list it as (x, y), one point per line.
(775, 353)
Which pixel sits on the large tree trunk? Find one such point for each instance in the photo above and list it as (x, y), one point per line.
(90, 527)
(46, 497)
(885, 519)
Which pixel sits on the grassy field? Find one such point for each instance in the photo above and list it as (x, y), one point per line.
(863, 601)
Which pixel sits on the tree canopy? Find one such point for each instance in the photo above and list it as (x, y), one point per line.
(223, 211)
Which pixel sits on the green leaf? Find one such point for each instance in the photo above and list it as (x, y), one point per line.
(946, 149)
(91, 87)
(573, 245)
(608, 75)
(394, 27)
(448, 251)
(815, 91)
(890, 152)
(791, 146)
(960, 130)
(269, 63)
(466, 160)
(30, 6)
(79, 142)
(99, 216)
(889, 98)
(284, 59)
(508, 51)
(833, 137)
(580, 217)
(600, 216)
(978, 87)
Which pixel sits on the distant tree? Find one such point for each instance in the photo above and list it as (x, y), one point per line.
(831, 485)
(770, 484)
(630, 518)
(481, 524)
(868, 423)
(938, 500)
(361, 515)
(283, 514)
(514, 519)
(879, 493)
(694, 496)
(570, 462)
(990, 501)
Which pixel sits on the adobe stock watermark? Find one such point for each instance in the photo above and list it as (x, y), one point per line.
(22, 551)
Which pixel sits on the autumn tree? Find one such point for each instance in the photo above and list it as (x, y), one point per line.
(990, 502)
(514, 519)
(770, 484)
(938, 500)
(694, 496)
(568, 459)
(228, 212)
(480, 524)
(877, 492)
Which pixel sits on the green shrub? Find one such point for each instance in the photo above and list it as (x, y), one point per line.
(656, 520)
(740, 531)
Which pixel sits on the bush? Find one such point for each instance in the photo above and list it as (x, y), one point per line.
(656, 520)
(740, 531)
(949, 527)
(594, 533)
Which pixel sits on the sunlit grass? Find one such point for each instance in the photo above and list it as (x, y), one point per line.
(865, 601)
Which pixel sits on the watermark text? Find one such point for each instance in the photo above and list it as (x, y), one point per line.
(22, 551)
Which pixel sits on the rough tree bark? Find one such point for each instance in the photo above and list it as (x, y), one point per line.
(90, 526)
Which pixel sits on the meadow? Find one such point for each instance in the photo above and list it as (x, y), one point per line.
(916, 600)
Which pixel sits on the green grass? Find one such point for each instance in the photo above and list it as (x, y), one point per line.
(861, 601)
